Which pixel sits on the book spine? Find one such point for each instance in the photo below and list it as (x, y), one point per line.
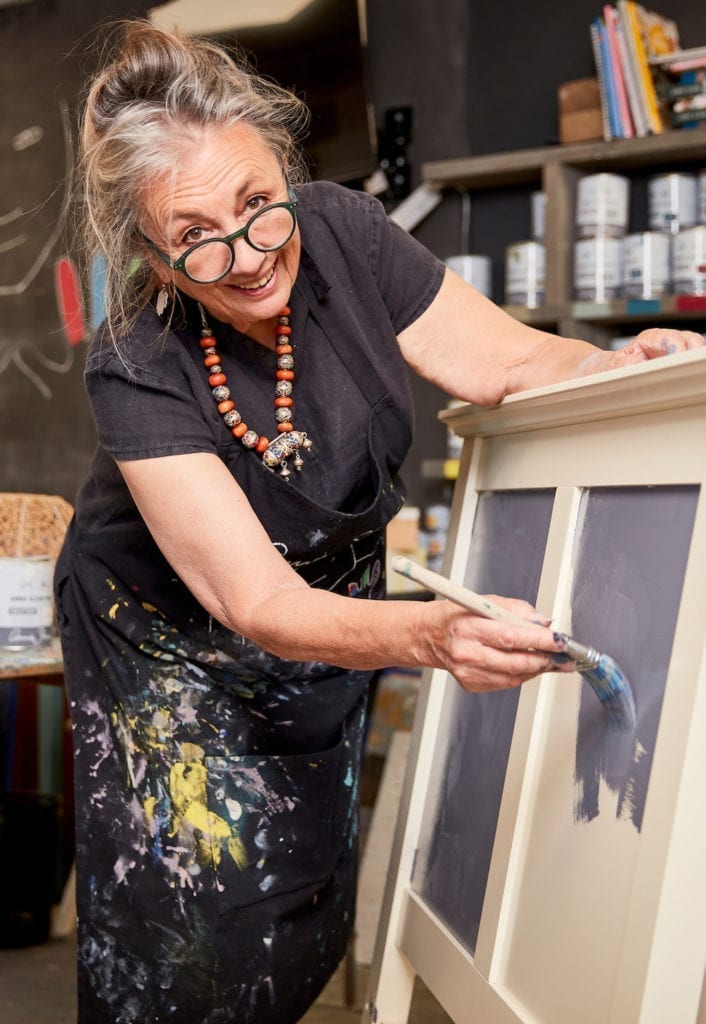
(631, 84)
(654, 118)
(611, 28)
(600, 73)
(611, 94)
(634, 78)
(694, 115)
(680, 91)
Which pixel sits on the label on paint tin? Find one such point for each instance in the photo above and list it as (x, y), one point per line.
(524, 274)
(689, 261)
(671, 202)
(602, 206)
(26, 601)
(473, 269)
(702, 197)
(598, 269)
(646, 264)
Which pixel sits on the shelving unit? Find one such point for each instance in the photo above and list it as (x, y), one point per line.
(557, 170)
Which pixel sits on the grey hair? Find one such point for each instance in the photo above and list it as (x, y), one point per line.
(155, 94)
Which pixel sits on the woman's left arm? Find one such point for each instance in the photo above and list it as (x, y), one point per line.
(473, 350)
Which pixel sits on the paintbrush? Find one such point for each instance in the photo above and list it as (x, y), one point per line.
(604, 676)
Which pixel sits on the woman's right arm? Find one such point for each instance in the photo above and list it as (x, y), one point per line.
(207, 530)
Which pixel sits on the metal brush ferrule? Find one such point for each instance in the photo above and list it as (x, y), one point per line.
(584, 658)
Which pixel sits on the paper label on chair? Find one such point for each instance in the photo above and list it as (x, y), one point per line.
(26, 601)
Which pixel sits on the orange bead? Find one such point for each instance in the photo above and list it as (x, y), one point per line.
(239, 430)
(213, 360)
(284, 428)
(262, 443)
(285, 375)
(283, 402)
(282, 350)
(284, 329)
(285, 311)
(217, 378)
(208, 342)
(225, 406)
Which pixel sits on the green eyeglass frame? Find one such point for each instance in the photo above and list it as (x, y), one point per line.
(180, 263)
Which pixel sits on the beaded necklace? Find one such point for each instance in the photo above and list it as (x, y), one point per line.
(290, 441)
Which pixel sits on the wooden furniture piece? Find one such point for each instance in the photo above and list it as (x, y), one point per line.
(544, 869)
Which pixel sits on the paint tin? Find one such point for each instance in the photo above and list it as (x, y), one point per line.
(473, 269)
(538, 215)
(524, 274)
(646, 265)
(702, 197)
(26, 602)
(598, 269)
(454, 443)
(671, 202)
(689, 261)
(602, 206)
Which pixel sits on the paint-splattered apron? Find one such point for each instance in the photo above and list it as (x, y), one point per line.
(216, 784)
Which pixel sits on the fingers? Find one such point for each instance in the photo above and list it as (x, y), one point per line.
(658, 341)
(484, 655)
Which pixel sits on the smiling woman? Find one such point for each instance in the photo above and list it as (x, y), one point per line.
(219, 594)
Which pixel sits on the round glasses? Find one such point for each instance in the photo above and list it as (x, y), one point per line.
(208, 261)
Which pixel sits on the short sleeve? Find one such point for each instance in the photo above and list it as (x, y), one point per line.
(357, 246)
(409, 276)
(141, 412)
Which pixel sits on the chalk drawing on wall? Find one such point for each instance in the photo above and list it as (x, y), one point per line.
(31, 270)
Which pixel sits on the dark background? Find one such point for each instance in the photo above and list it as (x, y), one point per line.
(479, 78)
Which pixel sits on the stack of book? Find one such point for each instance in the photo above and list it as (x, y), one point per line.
(627, 41)
(680, 79)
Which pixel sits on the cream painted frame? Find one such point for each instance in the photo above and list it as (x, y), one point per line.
(638, 426)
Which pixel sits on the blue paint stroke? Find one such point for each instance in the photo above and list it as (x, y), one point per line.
(627, 589)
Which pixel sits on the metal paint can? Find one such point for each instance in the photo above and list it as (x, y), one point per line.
(525, 274)
(689, 261)
(602, 206)
(473, 269)
(671, 202)
(646, 264)
(26, 602)
(598, 269)
(702, 197)
(538, 215)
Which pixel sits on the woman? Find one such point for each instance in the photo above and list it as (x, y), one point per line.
(252, 407)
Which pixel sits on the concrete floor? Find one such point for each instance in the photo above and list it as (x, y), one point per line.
(37, 987)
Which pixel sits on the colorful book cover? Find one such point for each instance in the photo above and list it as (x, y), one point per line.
(610, 17)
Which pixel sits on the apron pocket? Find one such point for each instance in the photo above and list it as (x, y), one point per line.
(273, 823)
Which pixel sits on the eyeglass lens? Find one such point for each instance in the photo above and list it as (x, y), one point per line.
(267, 231)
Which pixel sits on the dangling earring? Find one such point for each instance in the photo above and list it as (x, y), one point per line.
(162, 299)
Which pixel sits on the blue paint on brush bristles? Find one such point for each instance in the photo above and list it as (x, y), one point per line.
(607, 680)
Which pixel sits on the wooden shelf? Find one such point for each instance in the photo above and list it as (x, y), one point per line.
(557, 170)
(526, 166)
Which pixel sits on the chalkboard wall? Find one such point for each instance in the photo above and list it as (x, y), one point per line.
(46, 428)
